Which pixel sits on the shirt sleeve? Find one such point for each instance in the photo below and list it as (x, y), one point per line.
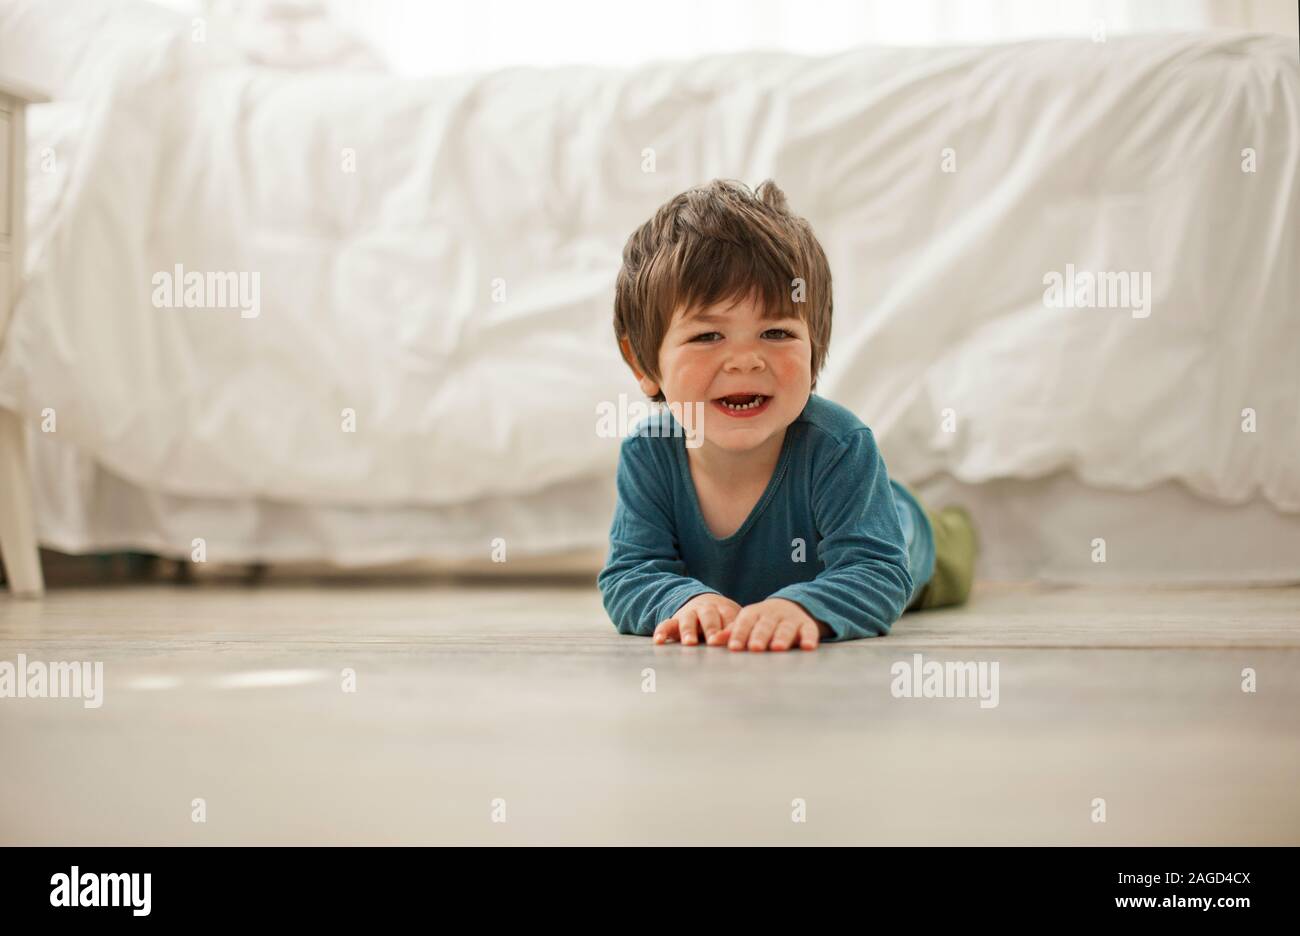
(865, 584)
(644, 580)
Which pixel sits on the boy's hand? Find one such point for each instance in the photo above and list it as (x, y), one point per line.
(705, 616)
(776, 623)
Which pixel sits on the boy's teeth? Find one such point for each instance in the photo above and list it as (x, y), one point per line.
(753, 404)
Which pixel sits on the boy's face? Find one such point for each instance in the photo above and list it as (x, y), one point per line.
(728, 349)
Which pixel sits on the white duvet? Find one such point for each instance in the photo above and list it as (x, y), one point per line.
(435, 263)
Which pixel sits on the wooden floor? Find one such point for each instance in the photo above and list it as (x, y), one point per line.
(521, 702)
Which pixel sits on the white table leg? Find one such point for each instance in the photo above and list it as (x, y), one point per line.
(17, 526)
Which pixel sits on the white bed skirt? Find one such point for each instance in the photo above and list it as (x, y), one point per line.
(1030, 530)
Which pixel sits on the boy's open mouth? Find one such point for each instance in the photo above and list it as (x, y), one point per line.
(742, 405)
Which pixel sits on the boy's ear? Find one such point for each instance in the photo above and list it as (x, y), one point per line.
(648, 386)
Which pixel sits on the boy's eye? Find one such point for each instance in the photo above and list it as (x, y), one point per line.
(706, 337)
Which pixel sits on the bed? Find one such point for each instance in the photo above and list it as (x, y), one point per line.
(436, 258)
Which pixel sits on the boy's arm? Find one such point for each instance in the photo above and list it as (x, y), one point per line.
(644, 580)
(865, 583)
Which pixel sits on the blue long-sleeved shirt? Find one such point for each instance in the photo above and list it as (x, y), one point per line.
(831, 531)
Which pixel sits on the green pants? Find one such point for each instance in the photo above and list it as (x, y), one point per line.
(955, 549)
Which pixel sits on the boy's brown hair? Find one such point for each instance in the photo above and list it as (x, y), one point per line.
(716, 242)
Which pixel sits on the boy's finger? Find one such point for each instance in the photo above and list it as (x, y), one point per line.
(785, 635)
(809, 636)
(729, 614)
(666, 631)
(761, 634)
(688, 628)
(740, 629)
(711, 624)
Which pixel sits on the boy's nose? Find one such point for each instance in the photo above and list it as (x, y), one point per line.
(747, 361)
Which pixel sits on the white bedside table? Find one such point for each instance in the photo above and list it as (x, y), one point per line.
(17, 527)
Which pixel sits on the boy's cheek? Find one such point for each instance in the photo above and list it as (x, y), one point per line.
(693, 382)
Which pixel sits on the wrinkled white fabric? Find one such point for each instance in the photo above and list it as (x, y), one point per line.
(454, 292)
(1044, 529)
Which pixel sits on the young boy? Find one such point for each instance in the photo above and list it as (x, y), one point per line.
(773, 524)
